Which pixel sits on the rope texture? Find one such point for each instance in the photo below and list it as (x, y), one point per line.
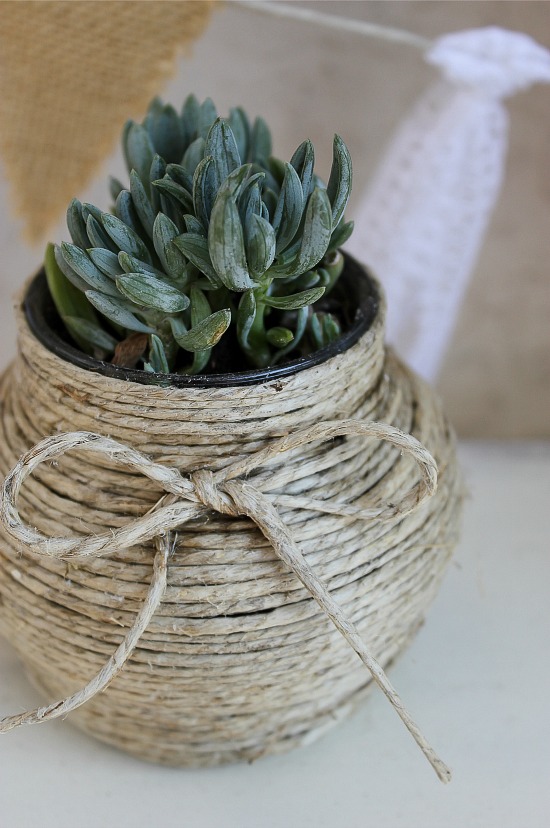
(237, 660)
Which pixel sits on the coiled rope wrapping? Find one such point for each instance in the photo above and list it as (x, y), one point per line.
(237, 660)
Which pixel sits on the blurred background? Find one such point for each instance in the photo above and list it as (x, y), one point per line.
(308, 81)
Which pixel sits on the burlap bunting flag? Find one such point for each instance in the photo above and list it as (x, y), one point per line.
(71, 73)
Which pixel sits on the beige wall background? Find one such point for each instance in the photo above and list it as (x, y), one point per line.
(308, 82)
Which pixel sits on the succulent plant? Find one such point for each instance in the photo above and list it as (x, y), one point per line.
(212, 232)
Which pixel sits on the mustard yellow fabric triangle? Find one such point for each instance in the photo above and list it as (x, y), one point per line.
(71, 73)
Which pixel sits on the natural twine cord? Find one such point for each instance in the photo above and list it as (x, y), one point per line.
(224, 649)
(223, 492)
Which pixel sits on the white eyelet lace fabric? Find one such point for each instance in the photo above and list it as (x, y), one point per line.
(423, 220)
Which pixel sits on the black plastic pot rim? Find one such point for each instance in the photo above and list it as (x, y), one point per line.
(44, 323)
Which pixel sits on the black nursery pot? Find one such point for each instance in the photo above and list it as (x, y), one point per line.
(356, 292)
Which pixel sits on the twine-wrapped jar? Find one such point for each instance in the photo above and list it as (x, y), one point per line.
(238, 660)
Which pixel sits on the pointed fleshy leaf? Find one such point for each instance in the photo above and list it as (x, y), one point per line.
(150, 292)
(180, 175)
(200, 310)
(126, 239)
(157, 172)
(176, 191)
(164, 233)
(68, 299)
(221, 145)
(239, 123)
(126, 212)
(279, 337)
(317, 230)
(75, 280)
(97, 235)
(138, 151)
(76, 224)
(142, 205)
(226, 243)
(105, 260)
(206, 333)
(130, 264)
(157, 356)
(193, 155)
(193, 225)
(303, 162)
(91, 332)
(289, 209)
(117, 312)
(83, 266)
(260, 245)
(206, 116)
(340, 235)
(204, 189)
(260, 142)
(295, 300)
(166, 132)
(115, 186)
(189, 118)
(195, 248)
(246, 314)
(339, 183)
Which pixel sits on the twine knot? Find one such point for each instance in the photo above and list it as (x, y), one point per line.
(227, 493)
(210, 494)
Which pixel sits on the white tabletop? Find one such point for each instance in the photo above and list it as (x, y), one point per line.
(477, 679)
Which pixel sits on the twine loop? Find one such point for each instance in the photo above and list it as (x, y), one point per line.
(227, 492)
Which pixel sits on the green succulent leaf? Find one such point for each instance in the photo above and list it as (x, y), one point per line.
(176, 191)
(195, 247)
(221, 145)
(240, 126)
(97, 235)
(189, 118)
(260, 142)
(204, 189)
(142, 205)
(193, 225)
(76, 224)
(206, 333)
(166, 132)
(138, 151)
(68, 298)
(116, 311)
(193, 155)
(339, 184)
(126, 212)
(115, 186)
(303, 162)
(200, 310)
(279, 337)
(260, 245)
(295, 300)
(340, 236)
(246, 314)
(289, 208)
(131, 264)
(91, 332)
(75, 280)
(157, 356)
(126, 238)
(105, 260)
(206, 116)
(83, 266)
(164, 233)
(316, 231)
(226, 238)
(180, 176)
(150, 292)
(156, 173)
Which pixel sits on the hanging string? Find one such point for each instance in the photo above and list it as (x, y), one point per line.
(331, 21)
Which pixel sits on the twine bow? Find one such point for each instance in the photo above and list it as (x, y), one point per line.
(227, 492)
